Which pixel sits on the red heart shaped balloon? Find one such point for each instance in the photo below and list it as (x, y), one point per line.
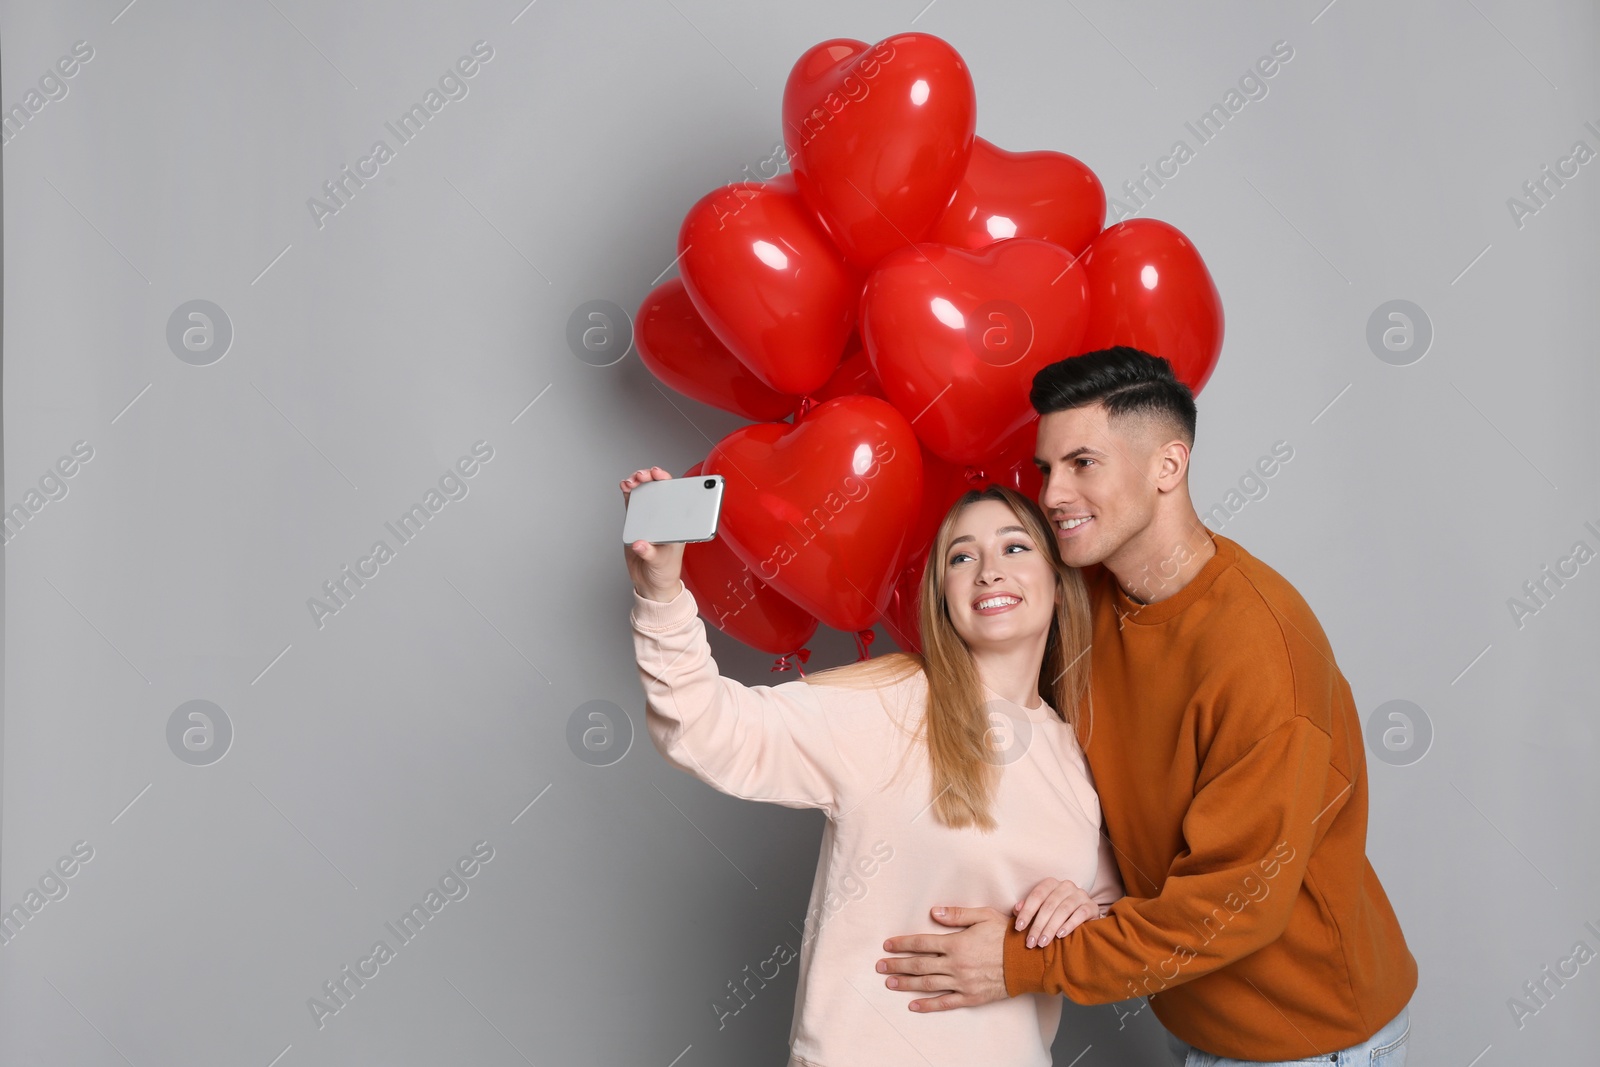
(853, 378)
(1148, 288)
(680, 349)
(878, 137)
(769, 283)
(943, 483)
(1013, 464)
(902, 617)
(818, 509)
(956, 337)
(738, 603)
(1048, 195)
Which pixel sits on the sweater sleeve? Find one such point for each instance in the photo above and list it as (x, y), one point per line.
(1249, 830)
(783, 744)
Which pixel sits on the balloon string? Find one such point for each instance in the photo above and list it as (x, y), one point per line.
(805, 406)
(783, 662)
(863, 640)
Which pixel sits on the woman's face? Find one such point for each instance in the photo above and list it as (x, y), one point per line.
(994, 562)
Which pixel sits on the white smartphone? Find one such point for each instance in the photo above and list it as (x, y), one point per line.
(677, 509)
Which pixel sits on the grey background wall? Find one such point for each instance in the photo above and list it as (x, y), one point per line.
(353, 360)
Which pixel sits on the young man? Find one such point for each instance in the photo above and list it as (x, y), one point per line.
(1227, 750)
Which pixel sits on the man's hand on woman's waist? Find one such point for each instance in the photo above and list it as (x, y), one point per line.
(966, 968)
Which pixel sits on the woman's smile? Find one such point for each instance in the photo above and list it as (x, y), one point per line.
(995, 603)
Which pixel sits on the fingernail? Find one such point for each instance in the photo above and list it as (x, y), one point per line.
(882, 967)
(1030, 940)
(1019, 924)
(893, 983)
(938, 911)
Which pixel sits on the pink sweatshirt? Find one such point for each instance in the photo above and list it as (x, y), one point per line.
(885, 859)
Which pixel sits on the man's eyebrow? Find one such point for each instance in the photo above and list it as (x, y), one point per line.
(1002, 530)
(1081, 450)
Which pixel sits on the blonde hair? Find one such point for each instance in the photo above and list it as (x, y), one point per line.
(963, 768)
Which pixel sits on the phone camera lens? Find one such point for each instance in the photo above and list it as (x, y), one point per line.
(711, 483)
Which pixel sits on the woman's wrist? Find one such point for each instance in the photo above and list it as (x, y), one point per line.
(664, 596)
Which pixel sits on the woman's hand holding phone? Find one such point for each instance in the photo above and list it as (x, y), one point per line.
(656, 570)
(1056, 908)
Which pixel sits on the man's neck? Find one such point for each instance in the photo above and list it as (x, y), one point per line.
(1162, 558)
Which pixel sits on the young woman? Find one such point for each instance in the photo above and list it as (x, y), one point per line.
(949, 776)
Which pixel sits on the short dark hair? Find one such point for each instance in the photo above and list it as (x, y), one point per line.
(1128, 381)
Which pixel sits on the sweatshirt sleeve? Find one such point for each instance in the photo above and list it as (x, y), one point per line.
(783, 744)
(1249, 830)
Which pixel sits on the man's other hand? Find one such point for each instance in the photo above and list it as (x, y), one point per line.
(966, 968)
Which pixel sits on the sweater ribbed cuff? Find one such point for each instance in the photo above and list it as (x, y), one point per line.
(1024, 966)
(656, 615)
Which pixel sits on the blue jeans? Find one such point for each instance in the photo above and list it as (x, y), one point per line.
(1386, 1048)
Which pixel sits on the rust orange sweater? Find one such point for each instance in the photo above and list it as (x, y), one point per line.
(1226, 747)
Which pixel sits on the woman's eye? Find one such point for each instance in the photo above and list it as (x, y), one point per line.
(1015, 544)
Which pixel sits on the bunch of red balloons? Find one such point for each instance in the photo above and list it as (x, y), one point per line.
(879, 313)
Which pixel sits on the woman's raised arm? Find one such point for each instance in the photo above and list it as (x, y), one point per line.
(794, 744)
(784, 744)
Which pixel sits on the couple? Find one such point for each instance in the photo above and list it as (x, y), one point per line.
(1104, 639)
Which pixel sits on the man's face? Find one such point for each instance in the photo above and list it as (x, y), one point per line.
(1098, 478)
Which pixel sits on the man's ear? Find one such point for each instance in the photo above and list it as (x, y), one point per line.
(1174, 465)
